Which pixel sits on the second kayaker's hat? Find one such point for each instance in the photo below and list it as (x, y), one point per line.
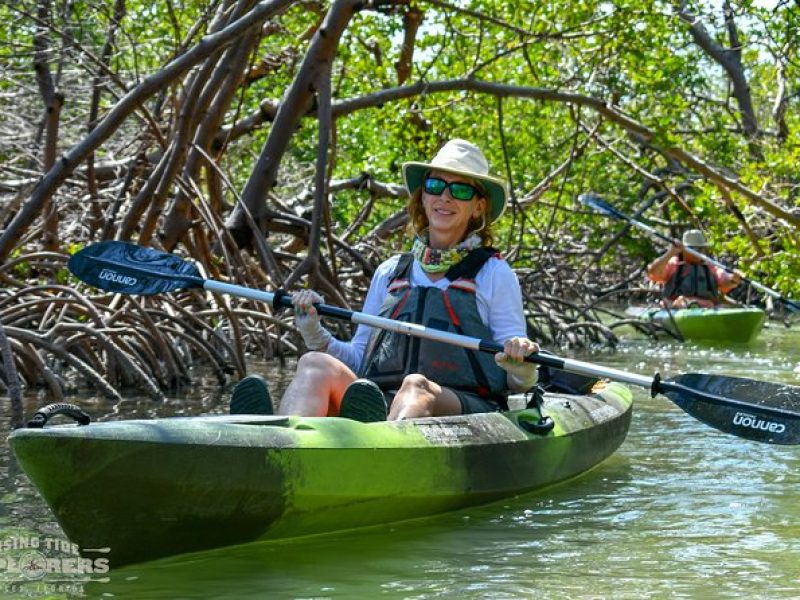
(694, 238)
(462, 158)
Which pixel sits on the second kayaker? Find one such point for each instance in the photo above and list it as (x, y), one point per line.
(687, 279)
(452, 280)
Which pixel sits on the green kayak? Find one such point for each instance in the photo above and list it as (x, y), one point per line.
(721, 324)
(143, 489)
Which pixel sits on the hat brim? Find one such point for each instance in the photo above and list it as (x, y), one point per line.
(496, 191)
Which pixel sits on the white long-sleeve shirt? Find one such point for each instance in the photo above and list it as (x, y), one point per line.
(498, 297)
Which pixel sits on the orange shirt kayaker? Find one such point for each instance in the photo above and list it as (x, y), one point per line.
(687, 279)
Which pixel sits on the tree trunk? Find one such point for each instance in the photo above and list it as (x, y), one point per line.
(297, 101)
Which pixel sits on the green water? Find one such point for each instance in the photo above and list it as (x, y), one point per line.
(680, 511)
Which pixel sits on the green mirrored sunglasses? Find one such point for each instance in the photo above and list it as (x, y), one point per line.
(458, 189)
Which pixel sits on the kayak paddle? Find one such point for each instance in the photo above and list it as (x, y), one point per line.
(600, 205)
(772, 416)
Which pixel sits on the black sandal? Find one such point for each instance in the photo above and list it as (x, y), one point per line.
(363, 401)
(251, 397)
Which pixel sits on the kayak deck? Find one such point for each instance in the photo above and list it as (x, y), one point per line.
(151, 488)
(722, 324)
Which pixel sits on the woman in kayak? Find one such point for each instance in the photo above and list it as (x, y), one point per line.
(687, 279)
(452, 280)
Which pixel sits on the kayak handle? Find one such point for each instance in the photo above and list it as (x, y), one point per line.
(41, 416)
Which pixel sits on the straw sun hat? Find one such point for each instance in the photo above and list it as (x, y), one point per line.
(694, 238)
(461, 158)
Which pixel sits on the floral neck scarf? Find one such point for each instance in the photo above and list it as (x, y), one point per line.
(437, 260)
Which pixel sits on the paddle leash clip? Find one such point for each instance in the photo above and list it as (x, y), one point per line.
(545, 423)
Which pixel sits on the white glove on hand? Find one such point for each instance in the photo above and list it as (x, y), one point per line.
(522, 375)
(306, 319)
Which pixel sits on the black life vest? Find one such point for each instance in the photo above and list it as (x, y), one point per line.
(390, 356)
(695, 280)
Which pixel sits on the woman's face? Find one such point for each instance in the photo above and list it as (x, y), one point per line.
(448, 218)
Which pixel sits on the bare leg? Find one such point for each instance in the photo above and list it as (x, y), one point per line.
(317, 387)
(420, 397)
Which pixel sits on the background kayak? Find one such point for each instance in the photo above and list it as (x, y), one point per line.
(143, 489)
(733, 324)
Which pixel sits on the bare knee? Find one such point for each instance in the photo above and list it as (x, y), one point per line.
(317, 364)
(416, 397)
(420, 385)
(317, 387)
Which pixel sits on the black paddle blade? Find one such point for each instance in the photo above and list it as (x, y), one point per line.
(791, 305)
(755, 410)
(126, 268)
(600, 205)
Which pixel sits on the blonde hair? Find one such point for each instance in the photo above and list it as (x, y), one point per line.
(419, 220)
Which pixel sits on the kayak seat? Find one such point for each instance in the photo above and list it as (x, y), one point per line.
(557, 381)
(251, 397)
(363, 401)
